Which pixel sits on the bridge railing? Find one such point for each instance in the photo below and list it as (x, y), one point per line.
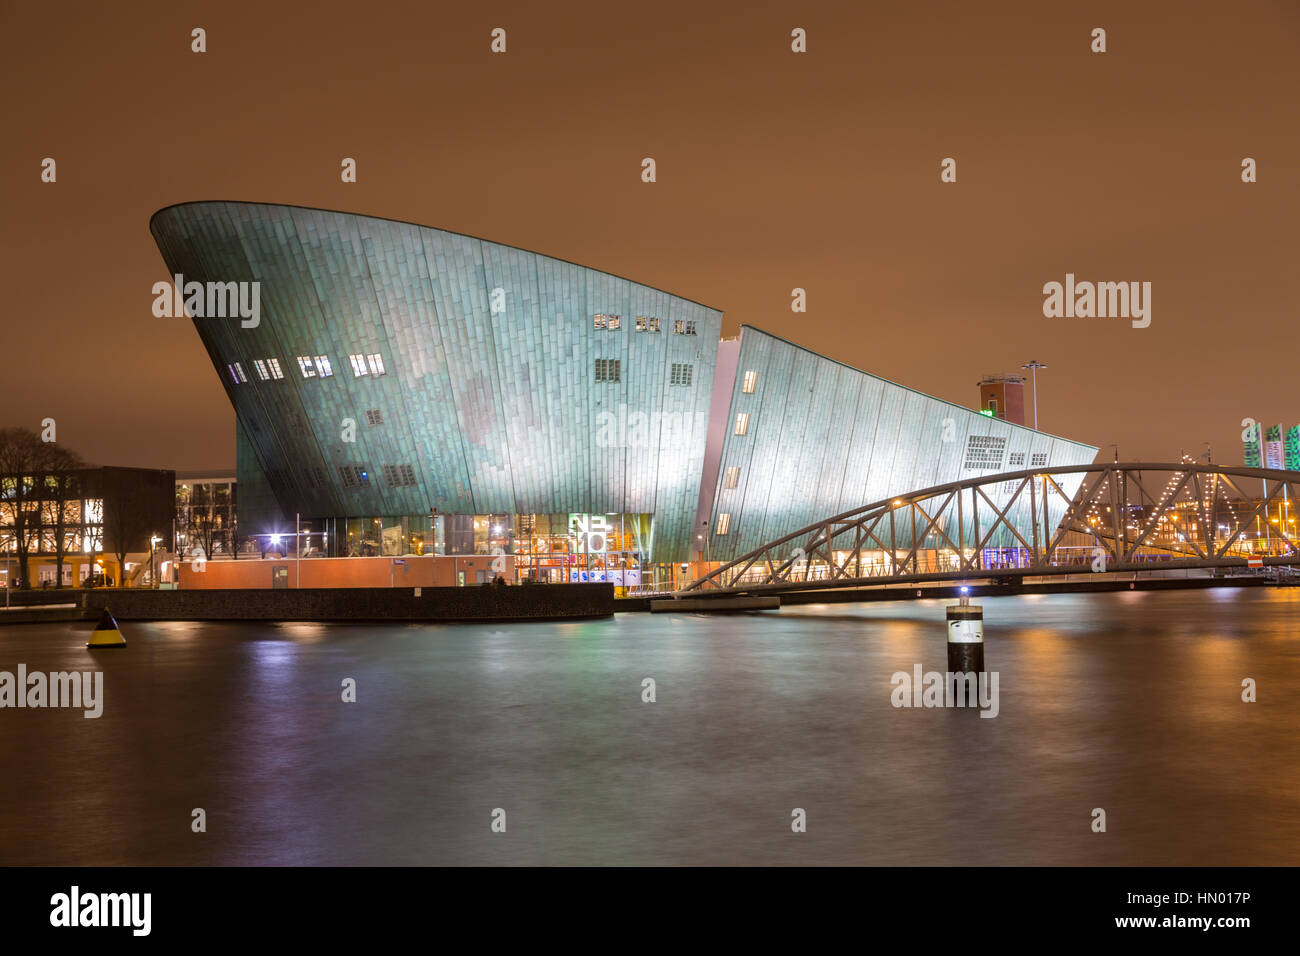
(1037, 521)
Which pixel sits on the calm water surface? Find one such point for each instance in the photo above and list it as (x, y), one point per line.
(1129, 702)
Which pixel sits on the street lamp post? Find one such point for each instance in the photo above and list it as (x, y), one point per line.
(153, 547)
(1035, 365)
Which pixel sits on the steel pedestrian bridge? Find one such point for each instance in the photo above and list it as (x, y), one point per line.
(1113, 517)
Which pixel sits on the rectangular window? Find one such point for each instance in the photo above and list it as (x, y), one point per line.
(751, 380)
(323, 366)
(600, 320)
(376, 363)
(682, 373)
(399, 475)
(679, 327)
(305, 366)
(354, 476)
(654, 324)
(616, 321)
(690, 328)
(742, 423)
(640, 323)
(984, 452)
(358, 365)
(724, 523)
(1015, 461)
(237, 373)
(276, 371)
(993, 406)
(1038, 460)
(733, 477)
(609, 370)
(260, 366)
(374, 417)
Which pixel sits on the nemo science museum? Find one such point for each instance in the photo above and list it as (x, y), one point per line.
(410, 391)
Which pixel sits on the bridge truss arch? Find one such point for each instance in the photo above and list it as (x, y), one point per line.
(1121, 516)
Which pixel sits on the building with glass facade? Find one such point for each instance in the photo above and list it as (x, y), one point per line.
(408, 390)
(207, 515)
(84, 526)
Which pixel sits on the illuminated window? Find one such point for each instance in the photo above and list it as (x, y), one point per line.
(399, 475)
(984, 452)
(683, 327)
(237, 373)
(376, 363)
(358, 365)
(1015, 460)
(323, 366)
(274, 364)
(682, 373)
(654, 324)
(733, 477)
(601, 320)
(751, 380)
(354, 476)
(374, 417)
(608, 370)
(742, 423)
(305, 366)
(616, 321)
(724, 524)
(260, 367)
(640, 323)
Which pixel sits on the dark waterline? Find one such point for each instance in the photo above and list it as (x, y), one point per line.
(1128, 702)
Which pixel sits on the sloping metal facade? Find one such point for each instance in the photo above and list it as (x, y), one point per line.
(823, 438)
(494, 411)
(504, 406)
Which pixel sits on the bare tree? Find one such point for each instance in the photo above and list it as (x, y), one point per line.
(127, 520)
(22, 455)
(203, 529)
(62, 479)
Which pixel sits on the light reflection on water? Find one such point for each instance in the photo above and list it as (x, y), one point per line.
(1128, 701)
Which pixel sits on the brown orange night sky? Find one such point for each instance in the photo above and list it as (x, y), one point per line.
(775, 171)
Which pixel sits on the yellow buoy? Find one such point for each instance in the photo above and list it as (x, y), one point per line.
(106, 634)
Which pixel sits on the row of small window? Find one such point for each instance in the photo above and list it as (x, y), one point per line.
(311, 366)
(644, 323)
(1015, 461)
(358, 476)
(611, 370)
(984, 452)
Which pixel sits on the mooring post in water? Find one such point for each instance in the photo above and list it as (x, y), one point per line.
(966, 639)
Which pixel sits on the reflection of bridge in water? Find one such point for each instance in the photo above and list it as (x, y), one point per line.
(1135, 517)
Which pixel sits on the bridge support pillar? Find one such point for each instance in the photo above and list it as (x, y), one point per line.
(966, 640)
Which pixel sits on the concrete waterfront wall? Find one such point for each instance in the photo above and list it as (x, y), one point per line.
(487, 603)
(415, 571)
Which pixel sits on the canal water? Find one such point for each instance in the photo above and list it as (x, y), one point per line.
(1130, 702)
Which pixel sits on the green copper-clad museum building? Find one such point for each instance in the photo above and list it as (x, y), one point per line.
(405, 389)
